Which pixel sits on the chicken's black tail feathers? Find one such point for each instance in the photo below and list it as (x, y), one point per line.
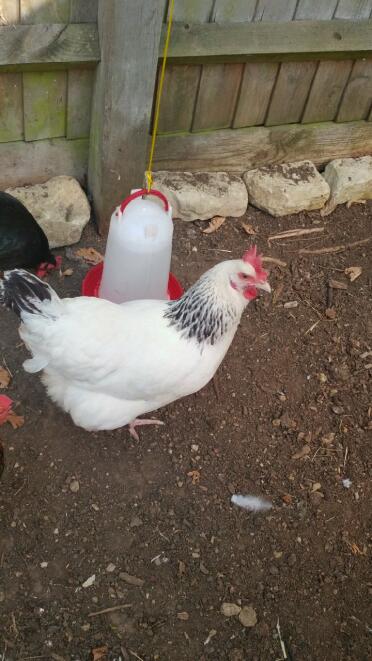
(21, 291)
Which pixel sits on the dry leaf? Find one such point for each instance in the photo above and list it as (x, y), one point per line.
(214, 224)
(67, 273)
(15, 420)
(4, 377)
(249, 229)
(353, 272)
(99, 653)
(336, 284)
(355, 549)
(90, 255)
(287, 498)
(302, 453)
(195, 475)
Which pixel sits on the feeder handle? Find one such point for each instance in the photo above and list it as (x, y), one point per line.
(142, 192)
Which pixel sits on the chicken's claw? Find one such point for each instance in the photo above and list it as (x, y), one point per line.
(139, 422)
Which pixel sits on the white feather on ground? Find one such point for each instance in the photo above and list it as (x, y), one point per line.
(251, 503)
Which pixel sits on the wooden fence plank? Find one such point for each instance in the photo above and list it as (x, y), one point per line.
(45, 11)
(9, 12)
(354, 9)
(357, 99)
(234, 10)
(193, 10)
(122, 100)
(84, 11)
(290, 93)
(257, 85)
(237, 150)
(218, 91)
(316, 9)
(54, 43)
(44, 97)
(244, 40)
(34, 162)
(326, 91)
(275, 10)
(11, 107)
(179, 94)
(79, 102)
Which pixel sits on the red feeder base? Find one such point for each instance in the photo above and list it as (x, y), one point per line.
(92, 281)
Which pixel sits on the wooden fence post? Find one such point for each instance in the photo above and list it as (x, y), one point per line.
(122, 101)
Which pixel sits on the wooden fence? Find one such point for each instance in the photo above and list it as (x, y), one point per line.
(249, 82)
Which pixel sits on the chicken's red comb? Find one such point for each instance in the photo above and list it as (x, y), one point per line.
(255, 260)
(5, 402)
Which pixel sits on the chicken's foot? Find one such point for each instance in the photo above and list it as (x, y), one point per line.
(139, 422)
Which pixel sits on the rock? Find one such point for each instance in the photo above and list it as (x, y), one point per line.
(202, 195)
(248, 616)
(90, 581)
(316, 497)
(230, 610)
(136, 522)
(349, 179)
(292, 560)
(183, 616)
(287, 188)
(60, 206)
(237, 655)
(110, 568)
(131, 580)
(74, 486)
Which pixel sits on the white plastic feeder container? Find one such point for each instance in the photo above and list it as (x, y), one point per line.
(139, 249)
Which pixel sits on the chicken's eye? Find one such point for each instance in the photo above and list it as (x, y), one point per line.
(243, 276)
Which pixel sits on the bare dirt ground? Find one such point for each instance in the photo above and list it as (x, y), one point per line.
(288, 418)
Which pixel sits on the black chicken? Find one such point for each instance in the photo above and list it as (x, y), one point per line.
(22, 241)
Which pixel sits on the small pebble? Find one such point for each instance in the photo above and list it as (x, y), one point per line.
(338, 410)
(248, 616)
(184, 616)
(291, 304)
(110, 568)
(89, 581)
(43, 565)
(292, 560)
(136, 522)
(230, 610)
(316, 497)
(74, 486)
(131, 580)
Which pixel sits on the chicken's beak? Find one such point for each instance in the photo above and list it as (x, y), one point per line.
(264, 286)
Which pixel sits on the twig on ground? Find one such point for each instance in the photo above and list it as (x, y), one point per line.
(135, 655)
(309, 330)
(288, 234)
(282, 645)
(112, 609)
(334, 249)
(273, 260)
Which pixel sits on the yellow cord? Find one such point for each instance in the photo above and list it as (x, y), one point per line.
(148, 173)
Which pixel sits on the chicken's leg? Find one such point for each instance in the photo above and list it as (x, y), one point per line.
(139, 422)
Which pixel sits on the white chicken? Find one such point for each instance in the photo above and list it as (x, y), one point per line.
(106, 364)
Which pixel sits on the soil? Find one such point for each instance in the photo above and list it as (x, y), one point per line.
(295, 383)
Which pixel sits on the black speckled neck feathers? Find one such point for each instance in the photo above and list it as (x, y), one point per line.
(202, 314)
